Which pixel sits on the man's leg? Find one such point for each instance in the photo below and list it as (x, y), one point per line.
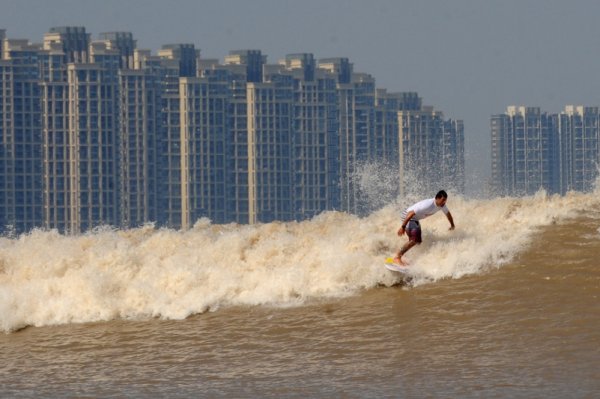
(405, 249)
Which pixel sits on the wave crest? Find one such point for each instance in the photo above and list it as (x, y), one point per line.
(47, 278)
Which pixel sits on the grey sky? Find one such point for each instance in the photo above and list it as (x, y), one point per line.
(468, 58)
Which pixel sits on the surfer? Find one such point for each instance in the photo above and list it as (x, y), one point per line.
(411, 217)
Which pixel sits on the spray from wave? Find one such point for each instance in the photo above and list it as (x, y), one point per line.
(47, 278)
(377, 183)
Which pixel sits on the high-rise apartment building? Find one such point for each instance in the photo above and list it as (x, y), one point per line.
(242, 66)
(270, 150)
(55, 137)
(252, 60)
(73, 40)
(175, 61)
(426, 146)
(203, 110)
(98, 132)
(93, 141)
(124, 44)
(453, 155)
(20, 137)
(524, 151)
(185, 53)
(80, 131)
(579, 148)
(356, 93)
(386, 136)
(139, 133)
(315, 128)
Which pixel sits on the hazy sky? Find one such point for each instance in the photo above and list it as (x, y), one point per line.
(468, 58)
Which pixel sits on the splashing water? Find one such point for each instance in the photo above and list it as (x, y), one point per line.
(47, 278)
(377, 183)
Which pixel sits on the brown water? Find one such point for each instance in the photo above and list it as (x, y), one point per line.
(530, 328)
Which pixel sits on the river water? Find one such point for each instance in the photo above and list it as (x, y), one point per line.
(507, 305)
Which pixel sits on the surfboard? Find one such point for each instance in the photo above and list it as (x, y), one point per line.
(390, 265)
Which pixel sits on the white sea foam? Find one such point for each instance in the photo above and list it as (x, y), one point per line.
(47, 278)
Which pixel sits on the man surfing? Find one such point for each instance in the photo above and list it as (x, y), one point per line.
(411, 217)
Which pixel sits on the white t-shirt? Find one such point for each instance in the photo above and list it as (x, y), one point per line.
(424, 209)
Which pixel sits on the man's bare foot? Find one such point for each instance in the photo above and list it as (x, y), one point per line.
(399, 261)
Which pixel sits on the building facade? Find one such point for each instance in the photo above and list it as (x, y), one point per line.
(579, 144)
(139, 134)
(80, 131)
(315, 127)
(270, 150)
(20, 137)
(356, 121)
(524, 151)
(533, 150)
(203, 110)
(98, 132)
(431, 151)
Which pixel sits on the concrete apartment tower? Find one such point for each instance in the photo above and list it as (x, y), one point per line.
(140, 128)
(20, 136)
(99, 133)
(270, 105)
(243, 66)
(176, 61)
(356, 93)
(524, 151)
(73, 40)
(203, 112)
(579, 143)
(426, 157)
(122, 42)
(315, 137)
(80, 131)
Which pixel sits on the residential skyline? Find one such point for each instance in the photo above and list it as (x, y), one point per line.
(96, 132)
(172, 77)
(534, 149)
(469, 58)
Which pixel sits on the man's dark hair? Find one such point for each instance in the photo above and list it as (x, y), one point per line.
(441, 194)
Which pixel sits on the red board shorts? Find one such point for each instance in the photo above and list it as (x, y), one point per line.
(413, 231)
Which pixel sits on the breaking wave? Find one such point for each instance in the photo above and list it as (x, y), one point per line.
(47, 278)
